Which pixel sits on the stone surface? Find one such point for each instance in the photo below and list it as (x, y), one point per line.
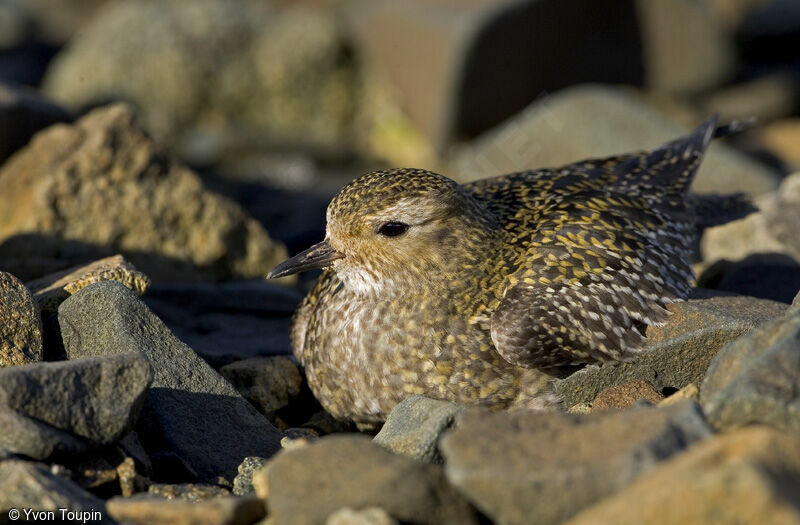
(519, 464)
(690, 392)
(77, 192)
(243, 482)
(766, 97)
(750, 476)
(781, 138)
(756, 379)
(227, 322)
(679, 352)
(368, 516)
(25, 485)
(771, 230)
(215, 71)
(98, 399)
(595, 121)
(414, 426)
(51, 290)
(191, 416)
(23, 113)
(216, 511)
(307, 484)
(191, 492)
(625, 395)
(30, 438)
(269, 383)
(20, 324)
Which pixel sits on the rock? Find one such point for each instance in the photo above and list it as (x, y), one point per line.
(768, 276)
(57, 21)
(23, 113)
(34, 487)
(191, 492)
(243, 482)
(15, 26)
(414, 426)
(224, 70)
(749, 476)
(690, 392)
(227, 322)
(306, 485)
(766, 97)
(368, 516)
(20, 324)
(269, 383)
(84, 187)
(519, 464)
(51, 290)
(217, 511)
(679, 352)
(756, 379)
(594, 121)
(191, 411)
(771, 230)
(626, 394)
(28, 437)
(98, 399)
(781, 139)
(97, 474)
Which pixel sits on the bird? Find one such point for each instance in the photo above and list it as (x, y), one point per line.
(483, 293)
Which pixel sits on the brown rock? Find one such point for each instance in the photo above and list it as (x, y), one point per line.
(216, 511)
(368, 516)
(625, 395)
(679, 352)
(103, 184)
(20, 324)
(307, 484)
(51, 290)
(782, 138)
(750, 476)
(690, 392)
(525, 465)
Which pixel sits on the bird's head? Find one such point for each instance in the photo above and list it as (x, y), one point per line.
(409, 226)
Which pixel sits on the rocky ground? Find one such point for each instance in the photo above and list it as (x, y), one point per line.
(158, 158)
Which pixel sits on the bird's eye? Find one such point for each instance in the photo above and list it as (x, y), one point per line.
(392, 228)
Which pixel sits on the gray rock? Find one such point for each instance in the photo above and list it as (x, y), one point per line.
(243, 483)
(23, 113)
(748, 476)
(771, 230)
(191, 413)
(20, 324)
(270, 383)
(414, 426)
(25, 485)
(218, 68)
(595, 121)
(227, 322)
(679, 352)
(28, 437)
(82, 189)
(309, 483)
(522, 464)
(756, 379)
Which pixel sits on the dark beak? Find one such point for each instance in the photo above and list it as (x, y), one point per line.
(318, 256)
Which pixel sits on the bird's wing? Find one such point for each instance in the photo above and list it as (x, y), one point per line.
(597, 269)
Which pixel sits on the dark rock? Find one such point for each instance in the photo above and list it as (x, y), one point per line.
(82, 188)
(243, 483)
(768, 276)
(190, 411)
(33, 486)
(28, 437)
(98, 399)
(51, 290)
(595, 121)
(269, 383)
(626, 394)
(679, 352)
(227, 322)
(756, 379)
(23, 113)
(749, 476)
(20, 324)
(216, 511)
(519, 464)
(307, 484)
(414, 426)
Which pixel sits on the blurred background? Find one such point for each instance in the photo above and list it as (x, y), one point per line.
(275, 105)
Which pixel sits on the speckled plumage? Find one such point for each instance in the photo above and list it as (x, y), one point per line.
(496, 283)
